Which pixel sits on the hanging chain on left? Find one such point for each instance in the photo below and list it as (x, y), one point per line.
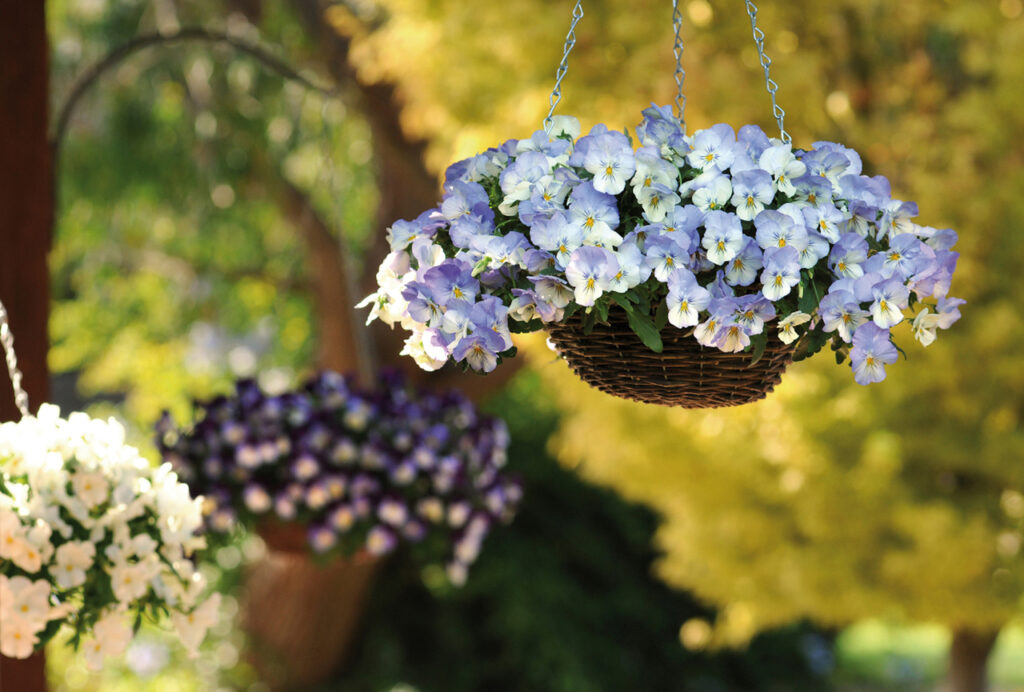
(677, 49)
(7, 340)
(563, 67)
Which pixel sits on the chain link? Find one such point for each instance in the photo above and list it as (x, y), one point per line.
(563, 67)
(677, 49)
(766, 63)
(7, 340)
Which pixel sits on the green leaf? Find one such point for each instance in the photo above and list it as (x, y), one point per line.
(661, 316)
(811, 344)
(644, 328)
(624, 304)
(481, 266)
(809, 298)
(758, 343)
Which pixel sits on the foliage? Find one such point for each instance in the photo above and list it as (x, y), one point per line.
(174, 263)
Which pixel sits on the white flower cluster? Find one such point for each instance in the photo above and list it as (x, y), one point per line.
(94, 538)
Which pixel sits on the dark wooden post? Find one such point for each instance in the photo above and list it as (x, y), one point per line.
(26, 217)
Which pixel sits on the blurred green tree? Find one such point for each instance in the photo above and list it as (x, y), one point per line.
(198, 196)
(827, 500)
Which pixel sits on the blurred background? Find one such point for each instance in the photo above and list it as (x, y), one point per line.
(216, 218)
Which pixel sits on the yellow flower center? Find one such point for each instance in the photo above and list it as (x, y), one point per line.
(721, 245)
(869, 361)
(457, 292)
(750, 200)
(609, 170)
(782, 242)
(589, 223)
(590, 282)
(709, 157)
(668, 261)
(778, 279)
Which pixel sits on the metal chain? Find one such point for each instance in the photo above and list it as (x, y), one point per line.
(766, 63)
(7, 340)
(563, 67)
(677, 22)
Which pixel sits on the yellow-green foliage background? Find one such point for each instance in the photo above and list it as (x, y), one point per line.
(827, 500)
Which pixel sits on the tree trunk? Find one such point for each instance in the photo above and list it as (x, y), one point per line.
(968, 657)
(26, 215)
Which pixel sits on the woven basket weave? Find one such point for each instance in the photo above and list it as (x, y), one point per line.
(613, 359)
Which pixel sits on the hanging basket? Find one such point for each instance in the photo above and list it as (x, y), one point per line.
(333, 469)
(612, 358)
(676, 268)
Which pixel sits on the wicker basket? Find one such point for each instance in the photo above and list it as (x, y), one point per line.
(613, 359)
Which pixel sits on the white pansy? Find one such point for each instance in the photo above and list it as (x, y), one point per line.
(111, 635)
(925, 325)
(787, 331)
(17, 637)
(24, 598)
(91, 488)
(71, 561)
(192, 627)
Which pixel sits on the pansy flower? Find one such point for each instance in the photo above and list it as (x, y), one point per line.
(590, 271)
(872, 351)
(779, 162)
(787, 326)
(663, 256)
(723, 236)
(686, 298)
(840, 312)
(751, 191)
(610, 160)
(742, 269)
(781, 272)
(890, 297)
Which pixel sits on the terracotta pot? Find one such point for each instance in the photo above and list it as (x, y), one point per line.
(284, 537)
(301, 616)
